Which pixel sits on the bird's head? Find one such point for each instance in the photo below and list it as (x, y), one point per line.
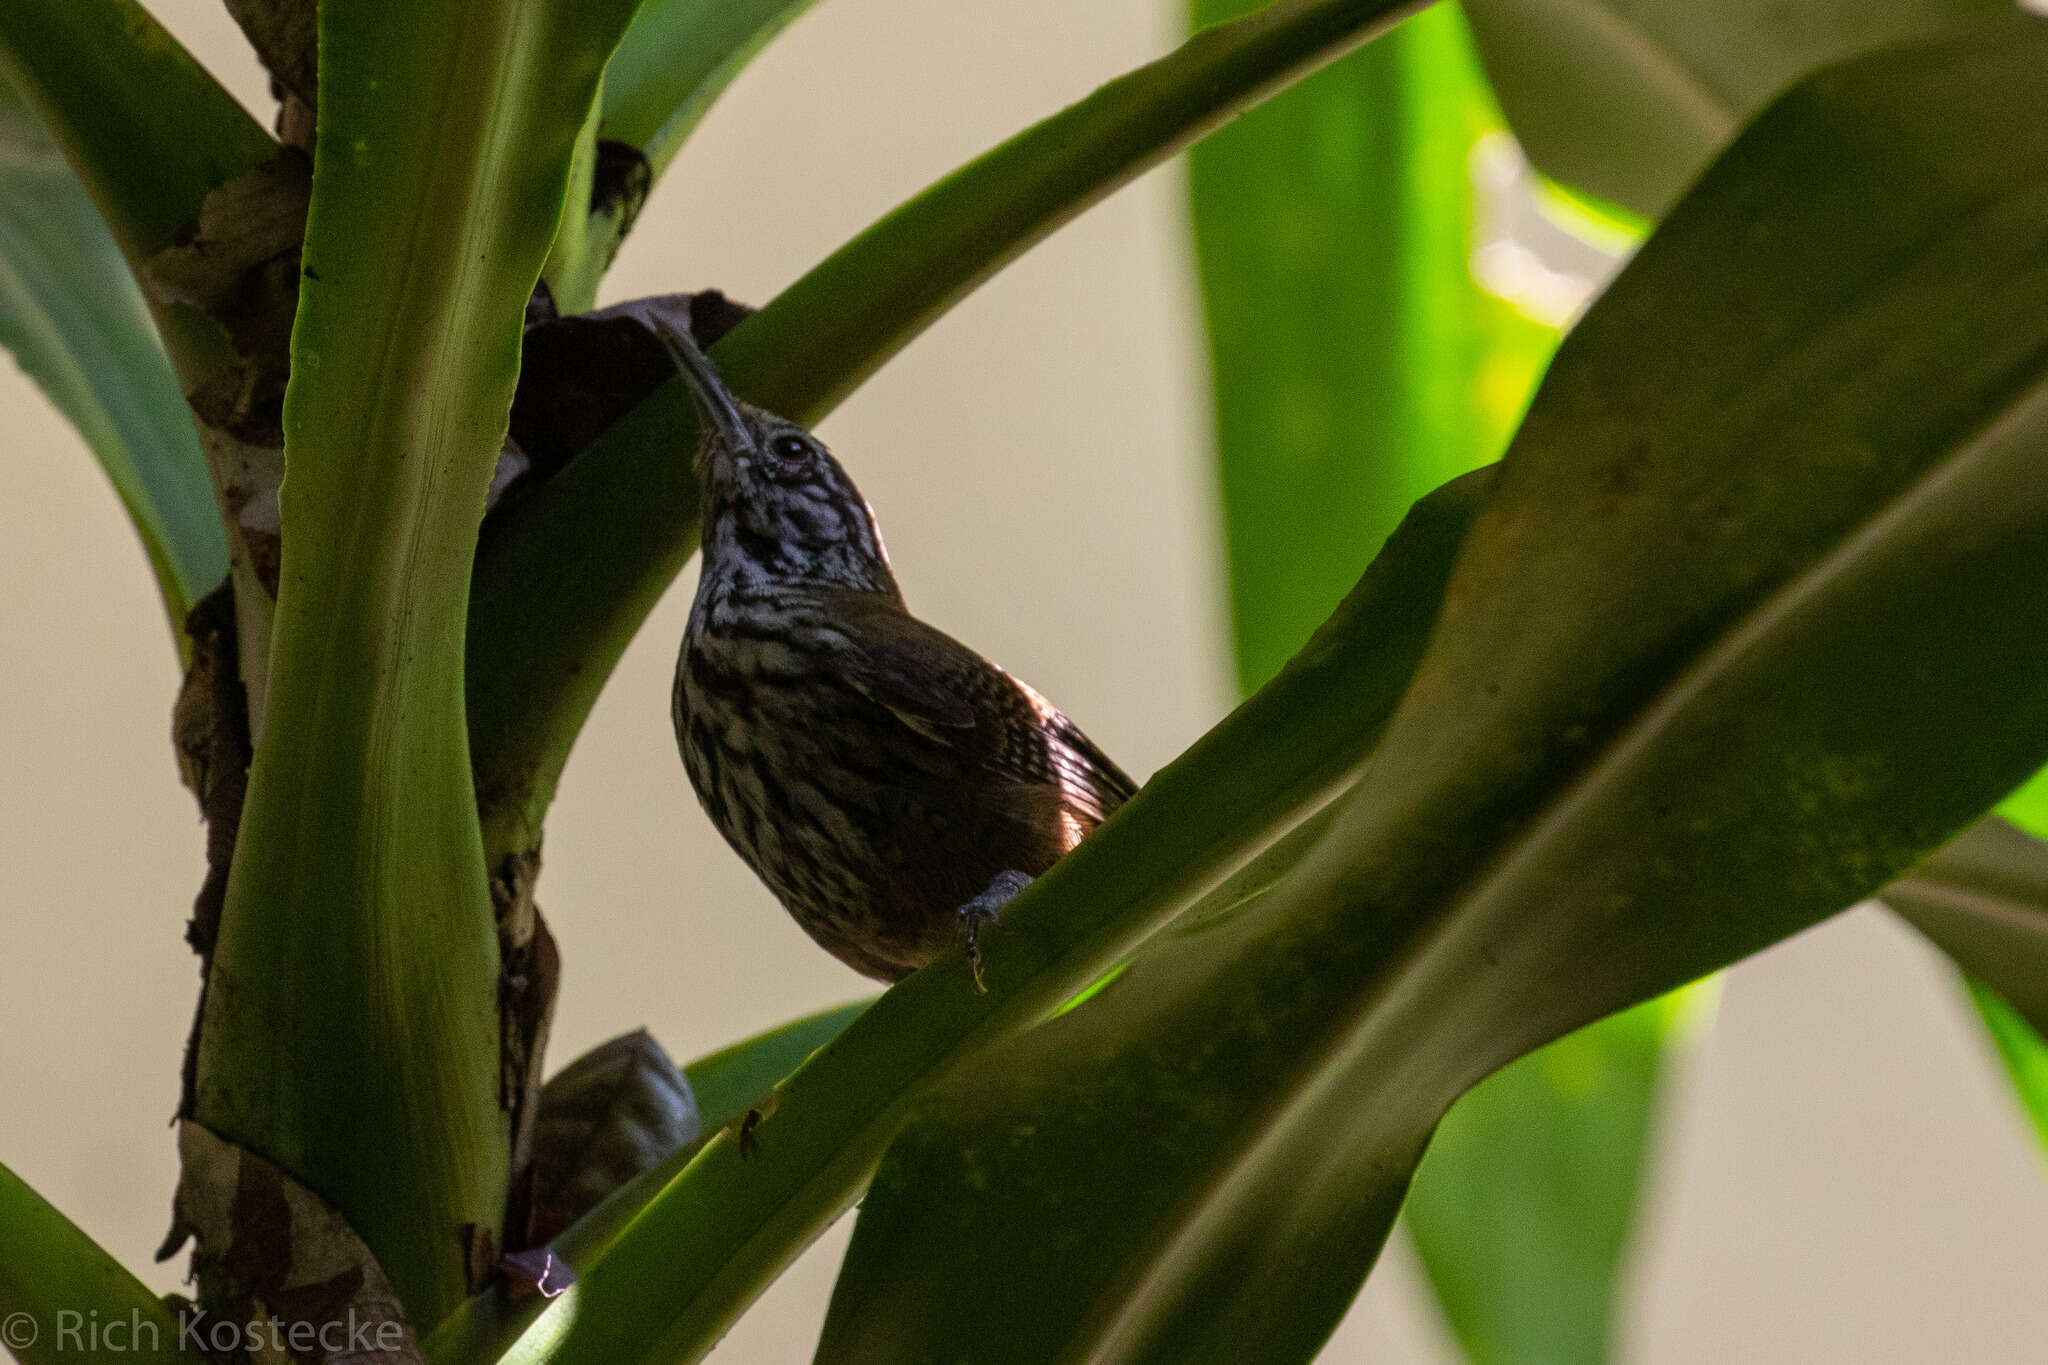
(776, 505)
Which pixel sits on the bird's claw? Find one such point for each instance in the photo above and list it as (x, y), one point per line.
(983, 911)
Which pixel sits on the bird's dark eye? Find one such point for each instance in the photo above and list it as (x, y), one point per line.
(791, 449)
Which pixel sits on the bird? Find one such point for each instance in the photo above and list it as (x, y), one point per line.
(892, 787)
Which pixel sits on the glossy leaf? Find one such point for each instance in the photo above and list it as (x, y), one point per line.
(350, 1029)
(1629, 99)
(54, 1277)
(676, 59)
(543, 643)
(1770, 528)
(78, 326)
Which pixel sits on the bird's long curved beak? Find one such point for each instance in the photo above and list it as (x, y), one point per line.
(716, 407)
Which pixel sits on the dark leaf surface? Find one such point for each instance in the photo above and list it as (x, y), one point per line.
(1357, 361)
(1772, 525)
(1983, 900)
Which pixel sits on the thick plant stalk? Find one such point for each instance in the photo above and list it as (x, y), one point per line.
(350, 1033)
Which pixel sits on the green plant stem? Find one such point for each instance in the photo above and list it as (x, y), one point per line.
(542, 642)
(62, 1289)
(350, 1031)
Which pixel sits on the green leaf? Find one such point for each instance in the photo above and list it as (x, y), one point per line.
(1983, 900)
(625, 511)
(696, 1256)
(147, 131)
(1524, 1207)
(1356, 363)
(676, 59)
(78, 326)
(1629, 99)
(56, 1280)
(1768, 536)
(2023, 1049)
(732, 1081)
(350, 1027)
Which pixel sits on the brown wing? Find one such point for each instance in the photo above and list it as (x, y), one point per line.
(948, 693)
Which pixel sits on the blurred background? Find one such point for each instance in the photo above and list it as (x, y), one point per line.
(1841, 1173)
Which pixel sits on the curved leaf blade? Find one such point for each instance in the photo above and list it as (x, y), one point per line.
(2022, 1047)
(1629, 99)
(1523, 1211)
(1983, 901)
(676, 59)
(78, 326)
(1356, 363)
(144, 126)
(1693, 687)
(350, 1029)
(53, 1276)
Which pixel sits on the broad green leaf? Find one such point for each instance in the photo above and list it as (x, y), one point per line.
(1983, 900)
(54, 1279)
(625, 511)
(1356, 363)
(350, 1029)
(676, 59)
(1768, 536)
(726, 1085)
(78, 326)
(2023, 1049)
(730, 1082)
(702, 1250)
(1629, 99)
(1525, 1205)
(147, 131)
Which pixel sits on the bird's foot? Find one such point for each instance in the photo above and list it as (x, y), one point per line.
(985, 910)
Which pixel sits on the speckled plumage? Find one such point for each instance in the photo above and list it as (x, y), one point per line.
(877, 774)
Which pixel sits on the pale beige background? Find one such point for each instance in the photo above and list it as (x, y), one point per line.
(1846, 1180)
